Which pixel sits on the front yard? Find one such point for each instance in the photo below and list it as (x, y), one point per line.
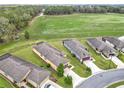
(23, 49)
(121, 57)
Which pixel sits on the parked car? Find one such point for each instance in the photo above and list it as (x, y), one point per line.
(48, 86)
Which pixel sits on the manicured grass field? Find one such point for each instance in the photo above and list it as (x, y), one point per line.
(121, 57)
(77, 25)
(4, 83)
(53, 29)
(116, 84)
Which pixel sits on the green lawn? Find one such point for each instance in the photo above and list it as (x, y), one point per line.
(77, 25)
(4, 83)
(116, 84)
(53, 29)
(121, 57)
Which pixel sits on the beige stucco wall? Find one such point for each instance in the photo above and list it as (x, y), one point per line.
(35, 84)
(32, 83)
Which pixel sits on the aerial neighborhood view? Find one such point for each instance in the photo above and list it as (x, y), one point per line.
(61, 46)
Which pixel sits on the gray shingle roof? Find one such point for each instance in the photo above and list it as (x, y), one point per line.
(12, 68)
(76, 48)
(38, 75)
(17, 68)
(51, 48)
(115, 41)
(50, 53)
(101, 47)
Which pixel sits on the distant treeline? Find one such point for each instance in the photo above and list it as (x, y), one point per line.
(58, 10)
(15, 18)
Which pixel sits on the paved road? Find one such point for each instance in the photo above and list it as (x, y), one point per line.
(103, 79)
(93, 67)
(118, 62)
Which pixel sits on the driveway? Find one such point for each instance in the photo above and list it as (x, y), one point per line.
(103, 79)
(93, 67)
(118, 62)
(76, 78)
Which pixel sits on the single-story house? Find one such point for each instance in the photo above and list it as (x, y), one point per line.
(19, 71)
(116, 43)
(50, 55)
(77, 49)
(37, 76)
(101, 47)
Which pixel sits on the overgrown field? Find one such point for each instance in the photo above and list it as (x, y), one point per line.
(77, 25)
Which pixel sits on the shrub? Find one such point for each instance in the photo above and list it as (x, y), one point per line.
(88, 69)
(60, 70)
(27, 35)
(48, 65)
(68, 80)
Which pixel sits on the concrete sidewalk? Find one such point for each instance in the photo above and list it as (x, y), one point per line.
(118, 62)
(76, 78)
(93, 67)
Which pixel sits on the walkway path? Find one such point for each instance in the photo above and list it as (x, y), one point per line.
(41, 14)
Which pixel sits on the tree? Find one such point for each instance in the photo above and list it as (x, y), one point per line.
(11, 32)
(27, 36)
(3, 27)
(122, 10)
(14, 19)
(68, 80)
(60, 70)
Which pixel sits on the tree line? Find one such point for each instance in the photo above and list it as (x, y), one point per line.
(15, 18)
(58, 10)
